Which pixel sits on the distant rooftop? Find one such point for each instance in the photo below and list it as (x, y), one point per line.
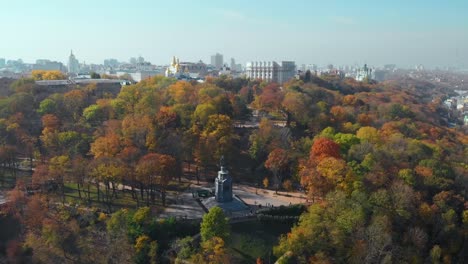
(78, 81)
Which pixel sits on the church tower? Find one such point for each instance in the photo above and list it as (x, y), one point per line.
(223, 184)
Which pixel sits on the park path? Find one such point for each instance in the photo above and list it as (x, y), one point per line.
(2, 198)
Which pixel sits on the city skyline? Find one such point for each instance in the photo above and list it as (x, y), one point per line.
(421, 32)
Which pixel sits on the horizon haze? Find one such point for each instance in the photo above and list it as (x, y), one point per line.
(431, 33)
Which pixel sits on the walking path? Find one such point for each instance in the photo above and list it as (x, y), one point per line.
(2, 198)
(182, 205)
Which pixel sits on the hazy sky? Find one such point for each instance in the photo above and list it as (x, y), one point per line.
(404, 32)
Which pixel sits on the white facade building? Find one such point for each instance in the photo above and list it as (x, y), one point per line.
(271, 71)
(73, 64)
(364, 73)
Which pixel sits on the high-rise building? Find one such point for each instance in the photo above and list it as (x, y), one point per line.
(111, 63)
(2, 62)
(233, 64)
(271, 71)
(217, 61)
(287, 71)
(73, 64)
(47, 65)
(133, 60)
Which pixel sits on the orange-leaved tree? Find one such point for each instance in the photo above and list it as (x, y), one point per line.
(323, 148)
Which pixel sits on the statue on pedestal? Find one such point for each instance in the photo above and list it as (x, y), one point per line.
(223, 183)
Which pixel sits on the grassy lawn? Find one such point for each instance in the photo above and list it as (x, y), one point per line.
(8, 179)
(251, 240)
(123, 199)
(177, 186)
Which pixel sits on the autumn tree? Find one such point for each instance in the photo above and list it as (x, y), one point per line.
(106, 146)
(138, 131)
(58, 170)
(219, 127)
(325, 170)
(264, 140)
(17, 199)
(203, 112)
(155, 171)
(74, 102)
(129, 156)
(270, 99)
(183, 92)
(79, 175)
(214, 140)
(107, 171)
(51, 123)
(36, 212)
(166, 117)
(48, 75)
(296, 107)
(277, 162)
(323, 148)
(213, 251)
(368, 134)
(317, 236)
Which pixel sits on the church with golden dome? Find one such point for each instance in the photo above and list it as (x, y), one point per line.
(179, 69)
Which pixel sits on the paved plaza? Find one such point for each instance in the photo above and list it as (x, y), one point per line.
(184, 205)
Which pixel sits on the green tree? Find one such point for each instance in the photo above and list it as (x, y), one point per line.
(47, 106)
(203, 112)
(95, 75)
(214, 224)
(185, 247)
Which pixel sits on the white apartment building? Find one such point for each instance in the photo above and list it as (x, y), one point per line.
(271, 71)
(73, 64)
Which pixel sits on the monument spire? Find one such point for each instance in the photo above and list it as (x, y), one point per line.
(222, 162)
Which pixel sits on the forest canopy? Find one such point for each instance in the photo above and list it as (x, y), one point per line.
(386, 178)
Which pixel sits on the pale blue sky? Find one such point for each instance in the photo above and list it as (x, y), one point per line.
(307, 31)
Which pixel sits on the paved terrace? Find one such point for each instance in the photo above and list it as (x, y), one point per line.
(184, 205)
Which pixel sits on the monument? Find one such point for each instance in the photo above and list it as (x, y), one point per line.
(224, 196)
(223, 184)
